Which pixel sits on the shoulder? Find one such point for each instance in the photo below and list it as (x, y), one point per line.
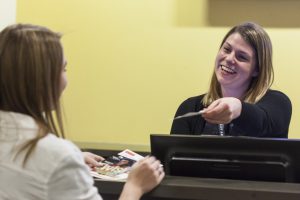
(275, 95)
(58, 147)
(191, 104)
(193, 100)
(276, 101)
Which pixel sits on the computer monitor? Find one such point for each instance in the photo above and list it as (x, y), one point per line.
(228, 157)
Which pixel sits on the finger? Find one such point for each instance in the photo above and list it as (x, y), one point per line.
(94, 169)
(157, 167)
(160, 174)
(98, 158)
(140, 162)
(219, 113)
(213, 111)
(213, 105)
(154, 162)
(91, 167)
(221, 116)
(150, 159)
(95, 156)
(93, 162)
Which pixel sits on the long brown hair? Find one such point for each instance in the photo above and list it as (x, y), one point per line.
(260, 42)
(31, 63)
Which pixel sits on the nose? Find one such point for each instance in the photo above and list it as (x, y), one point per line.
(230, 58)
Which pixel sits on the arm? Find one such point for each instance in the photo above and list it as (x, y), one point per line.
(270, 117)
(144, 176)
(71, 180)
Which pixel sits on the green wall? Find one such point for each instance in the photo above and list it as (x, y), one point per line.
(132, 62)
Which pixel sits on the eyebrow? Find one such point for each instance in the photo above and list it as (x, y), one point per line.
(240, 51)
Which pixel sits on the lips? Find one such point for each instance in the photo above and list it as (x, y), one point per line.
(228, 69)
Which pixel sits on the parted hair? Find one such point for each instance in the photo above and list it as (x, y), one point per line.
(261, 44)
(31, 63)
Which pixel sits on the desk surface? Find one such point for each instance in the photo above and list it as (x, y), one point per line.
(209, 189)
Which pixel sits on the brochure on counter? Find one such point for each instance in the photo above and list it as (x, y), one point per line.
(116, 167)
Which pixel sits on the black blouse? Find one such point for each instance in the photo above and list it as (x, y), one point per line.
(269, 117)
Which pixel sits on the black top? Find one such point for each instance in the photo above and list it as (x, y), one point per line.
(269, 117)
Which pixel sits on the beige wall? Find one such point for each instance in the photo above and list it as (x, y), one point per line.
(132, 62)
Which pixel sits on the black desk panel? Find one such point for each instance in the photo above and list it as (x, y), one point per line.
(208, 189)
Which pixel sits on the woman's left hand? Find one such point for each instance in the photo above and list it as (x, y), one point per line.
(92, 160)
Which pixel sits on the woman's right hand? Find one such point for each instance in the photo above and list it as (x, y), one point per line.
(223, 110)
(144, 176)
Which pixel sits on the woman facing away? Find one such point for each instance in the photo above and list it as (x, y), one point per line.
(35, 163)
(239, 101)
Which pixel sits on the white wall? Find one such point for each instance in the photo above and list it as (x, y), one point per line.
(7, 12)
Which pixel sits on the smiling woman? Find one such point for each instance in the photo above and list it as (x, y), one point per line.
(239, 100)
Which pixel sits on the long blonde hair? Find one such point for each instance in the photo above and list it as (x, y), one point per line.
(31, 61)
(260, 42)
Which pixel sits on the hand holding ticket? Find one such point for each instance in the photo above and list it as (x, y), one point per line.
(190, 114)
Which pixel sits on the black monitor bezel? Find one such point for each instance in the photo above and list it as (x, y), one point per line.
(277, 159)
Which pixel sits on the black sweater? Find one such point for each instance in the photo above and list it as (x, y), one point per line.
(269, 117)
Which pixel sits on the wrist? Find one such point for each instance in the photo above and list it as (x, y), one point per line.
(131, 191)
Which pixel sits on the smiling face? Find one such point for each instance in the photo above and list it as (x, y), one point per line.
(235, 66)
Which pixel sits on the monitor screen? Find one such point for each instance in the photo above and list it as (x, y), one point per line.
(243, 158)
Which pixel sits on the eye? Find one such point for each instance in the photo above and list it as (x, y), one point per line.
(242, 57)
(226, 49)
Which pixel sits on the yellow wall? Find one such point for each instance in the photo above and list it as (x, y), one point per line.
(132, 62)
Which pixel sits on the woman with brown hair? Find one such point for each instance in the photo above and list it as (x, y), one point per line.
(35, 163)
(239, 101)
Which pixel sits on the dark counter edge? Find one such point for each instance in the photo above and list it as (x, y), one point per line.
(209, 189)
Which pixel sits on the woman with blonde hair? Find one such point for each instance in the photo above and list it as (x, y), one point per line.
(239, 101)
(35, 161)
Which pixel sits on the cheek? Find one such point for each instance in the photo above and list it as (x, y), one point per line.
(218, 58)
(217, 62)
(250, 70)
(254, 70)
(63, 82)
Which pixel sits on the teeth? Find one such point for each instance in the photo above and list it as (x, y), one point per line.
(228, 69)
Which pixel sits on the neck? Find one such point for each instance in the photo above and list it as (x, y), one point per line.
(237, 93)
